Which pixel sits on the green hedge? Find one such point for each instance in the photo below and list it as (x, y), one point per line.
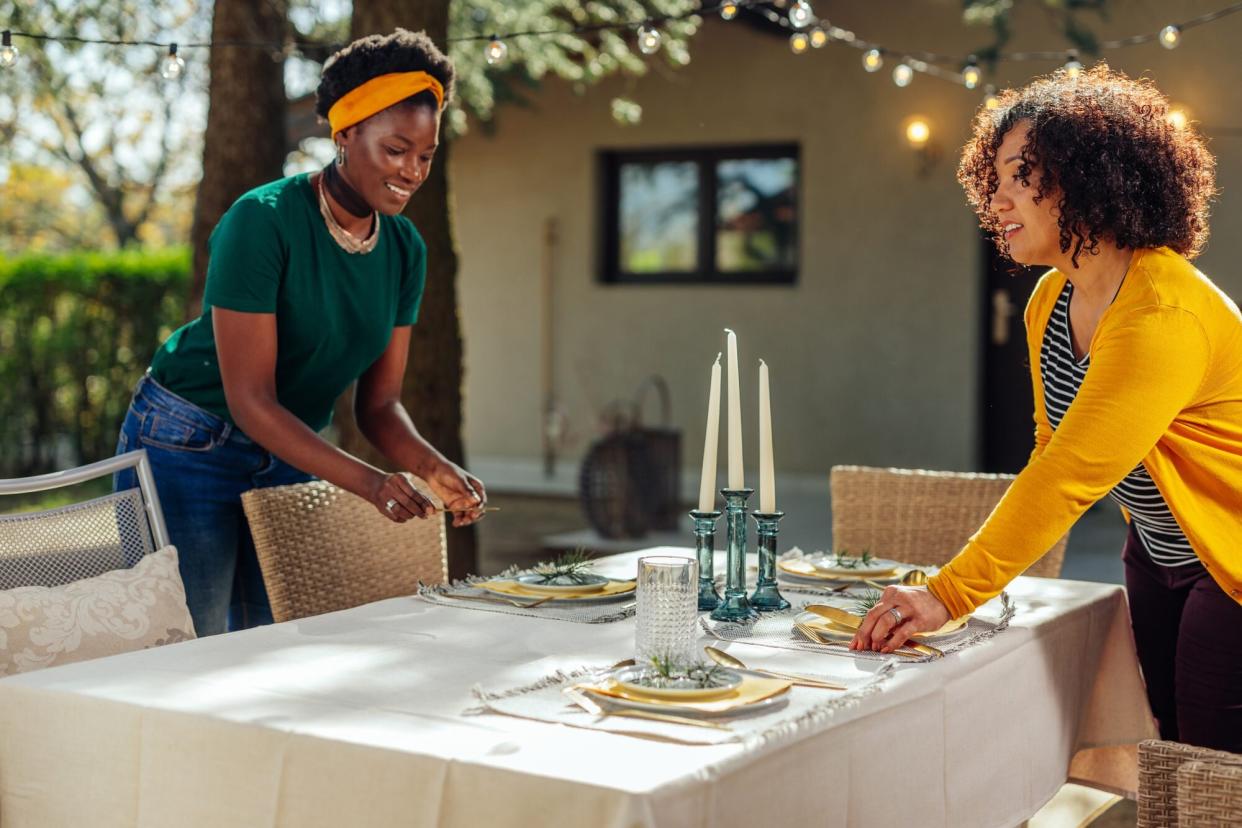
(77, 330)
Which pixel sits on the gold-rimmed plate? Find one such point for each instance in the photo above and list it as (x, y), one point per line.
(611, 591)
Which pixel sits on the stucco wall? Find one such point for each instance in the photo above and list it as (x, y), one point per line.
(874, 353)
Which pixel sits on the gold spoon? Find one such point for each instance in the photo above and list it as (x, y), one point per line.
(723, 658)
(915, 577)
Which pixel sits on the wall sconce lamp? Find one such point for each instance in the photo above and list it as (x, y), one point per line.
(1179, 117)
(919, 137)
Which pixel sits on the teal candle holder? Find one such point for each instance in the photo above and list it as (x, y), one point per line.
(735, 606)
(704, 551)
(766, 596)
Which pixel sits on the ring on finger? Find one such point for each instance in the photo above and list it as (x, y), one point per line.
(391, 503)
(896, 613)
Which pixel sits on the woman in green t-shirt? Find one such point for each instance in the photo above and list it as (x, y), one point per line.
(313, 283)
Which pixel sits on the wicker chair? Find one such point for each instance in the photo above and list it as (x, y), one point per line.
(1181, 785)
(323, 549)
(920, 517)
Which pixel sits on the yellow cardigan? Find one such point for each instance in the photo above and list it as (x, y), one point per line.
(1165, 388)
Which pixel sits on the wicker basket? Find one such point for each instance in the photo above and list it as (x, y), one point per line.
(629, 481)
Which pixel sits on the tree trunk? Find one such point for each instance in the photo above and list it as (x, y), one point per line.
(244, 145)
(432, 390)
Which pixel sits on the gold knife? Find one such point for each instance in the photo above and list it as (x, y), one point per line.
(848, 619)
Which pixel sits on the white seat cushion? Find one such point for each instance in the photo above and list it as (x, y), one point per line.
(116, 612)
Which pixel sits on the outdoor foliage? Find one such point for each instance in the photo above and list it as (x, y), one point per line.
(76, 332)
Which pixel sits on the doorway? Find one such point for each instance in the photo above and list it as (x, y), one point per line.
(1006, 401)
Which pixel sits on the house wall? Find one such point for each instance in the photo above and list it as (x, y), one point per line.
(874, 353)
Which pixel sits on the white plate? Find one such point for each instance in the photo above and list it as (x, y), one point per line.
(534, 582)
(678, 710)
(596, 598)
(826, 564)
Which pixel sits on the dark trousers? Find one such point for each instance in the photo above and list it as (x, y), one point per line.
(1189, 638)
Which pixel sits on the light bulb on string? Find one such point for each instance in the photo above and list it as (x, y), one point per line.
(495, 51)
(902, 75)
(649, 38)
(798, 42)
(728, 11)
(818, 38)
(172, 66)
(990, 100)
(8, 52)
(1178, 117)
(873, 60)
(1170, 37)
(801, 14)
(1072, 67)
(972, 74)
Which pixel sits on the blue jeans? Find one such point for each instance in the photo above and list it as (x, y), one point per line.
(201, 466)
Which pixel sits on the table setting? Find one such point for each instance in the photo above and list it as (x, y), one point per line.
(674, 685)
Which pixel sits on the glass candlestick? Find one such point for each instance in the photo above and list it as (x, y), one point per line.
(766, 596)
(735, 606)
(704, 549)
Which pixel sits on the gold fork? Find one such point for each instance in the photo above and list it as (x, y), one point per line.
(498, 600)
(816, 638)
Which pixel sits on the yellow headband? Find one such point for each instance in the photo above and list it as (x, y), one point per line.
(378, 94)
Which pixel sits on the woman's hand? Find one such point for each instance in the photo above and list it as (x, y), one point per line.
(396, 498)
(901, 612)
(461, 492)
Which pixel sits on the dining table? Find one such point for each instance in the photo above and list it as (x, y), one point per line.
(408, 712)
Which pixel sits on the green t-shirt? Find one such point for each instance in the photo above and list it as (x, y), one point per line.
(335, 311)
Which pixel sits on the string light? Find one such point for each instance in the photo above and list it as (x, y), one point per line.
(902, 75)
(8, 52)
(495, 51)
(1170, 37)
(972, 74)
(172, 66)
(1178, 117)
(801, 14)
(649, 38)
(798, 42)
(790, 15)
(990, 100)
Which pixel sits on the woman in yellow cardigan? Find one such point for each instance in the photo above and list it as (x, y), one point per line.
(1136, 360)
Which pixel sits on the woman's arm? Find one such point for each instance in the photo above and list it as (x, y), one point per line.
(383, 420)
(246, 349)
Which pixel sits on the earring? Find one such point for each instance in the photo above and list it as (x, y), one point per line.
(340, 155)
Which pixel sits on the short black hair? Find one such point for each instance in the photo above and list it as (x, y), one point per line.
(1120, 169)
(374, 55)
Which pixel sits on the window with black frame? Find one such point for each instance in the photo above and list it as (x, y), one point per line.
(725, 215)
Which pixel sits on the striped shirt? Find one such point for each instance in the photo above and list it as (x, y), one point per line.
(1062, 374)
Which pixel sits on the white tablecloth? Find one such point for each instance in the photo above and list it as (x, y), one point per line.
(355, 718)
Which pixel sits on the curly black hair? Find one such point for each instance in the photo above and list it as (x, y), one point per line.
(374, 55)
(1120, 170)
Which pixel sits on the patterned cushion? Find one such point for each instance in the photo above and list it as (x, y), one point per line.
(118, 611)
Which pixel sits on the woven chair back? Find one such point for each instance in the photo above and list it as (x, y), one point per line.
(1186, 785)
(917, 516)
(323, 549)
